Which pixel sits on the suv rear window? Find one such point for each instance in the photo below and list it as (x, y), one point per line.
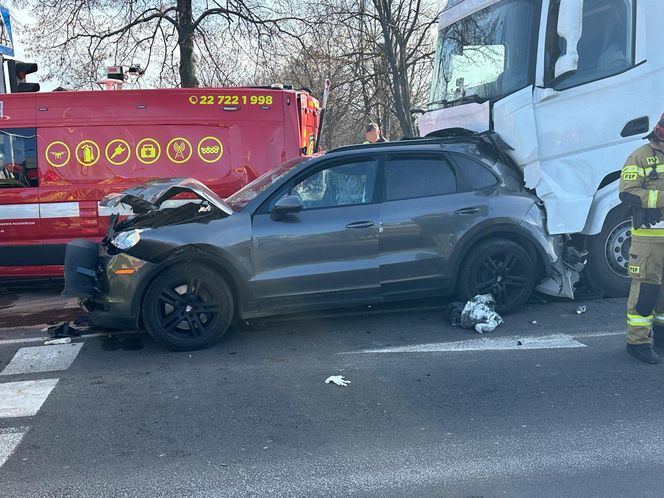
(413, 176)
(478, 175)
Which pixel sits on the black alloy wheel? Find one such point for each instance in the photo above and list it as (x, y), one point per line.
(499, 267)
(187, 308)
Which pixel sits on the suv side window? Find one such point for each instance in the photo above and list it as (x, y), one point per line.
(18, 158)
(606, 47)
(413, 176)
(477, 175)
(345, 184)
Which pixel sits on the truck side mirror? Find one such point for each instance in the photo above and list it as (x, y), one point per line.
(286, 205)
(570, 27)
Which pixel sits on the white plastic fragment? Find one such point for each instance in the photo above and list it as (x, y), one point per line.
(61, 340)
(581, 310)
(338, 380)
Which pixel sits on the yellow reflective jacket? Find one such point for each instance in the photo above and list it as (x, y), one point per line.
(643, 176)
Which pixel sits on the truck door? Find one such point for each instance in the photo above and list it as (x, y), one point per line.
(589, 121)
(21, 241)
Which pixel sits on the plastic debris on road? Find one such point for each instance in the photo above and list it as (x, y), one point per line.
(581, 310)
(338, 380)
(478, 313)
(61, 340)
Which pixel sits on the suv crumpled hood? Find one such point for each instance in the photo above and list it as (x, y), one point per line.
(149, 196)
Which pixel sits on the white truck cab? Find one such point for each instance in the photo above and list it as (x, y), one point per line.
(571, 87)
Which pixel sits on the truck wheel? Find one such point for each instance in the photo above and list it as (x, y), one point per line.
(608, 254)
(187, 308)
(500, 267)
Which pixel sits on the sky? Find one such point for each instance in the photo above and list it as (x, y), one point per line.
(20, 17)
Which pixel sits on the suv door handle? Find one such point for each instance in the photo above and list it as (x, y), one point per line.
(360, 224)
(467, 211)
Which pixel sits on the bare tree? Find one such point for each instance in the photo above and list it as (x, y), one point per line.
(71, 33)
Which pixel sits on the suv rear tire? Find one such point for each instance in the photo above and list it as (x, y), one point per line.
(500, 267)
(187, 307)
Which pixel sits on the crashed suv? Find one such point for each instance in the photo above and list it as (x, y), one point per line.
(357, 225)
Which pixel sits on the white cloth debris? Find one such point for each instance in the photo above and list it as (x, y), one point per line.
(581, 310)
(478, 313)
(61, 340)
(338, 380)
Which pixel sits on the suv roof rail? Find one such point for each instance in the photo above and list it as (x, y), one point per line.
(406, 141)
(402, 142)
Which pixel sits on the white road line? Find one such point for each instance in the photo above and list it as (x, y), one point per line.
(29, 340)
(552, 341)
(486, 344)
(24, 399)
(42, 359)
(10, 438)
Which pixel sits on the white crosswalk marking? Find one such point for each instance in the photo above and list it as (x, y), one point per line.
(24, 399)
(42, 359)
(9, 439)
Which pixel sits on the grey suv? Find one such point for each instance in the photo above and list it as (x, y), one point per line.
(357, 225)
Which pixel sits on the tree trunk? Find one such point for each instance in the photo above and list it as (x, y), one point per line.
(186, 44)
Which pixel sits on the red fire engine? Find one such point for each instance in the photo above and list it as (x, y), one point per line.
(61, 152)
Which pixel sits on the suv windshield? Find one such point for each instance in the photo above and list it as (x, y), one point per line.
(242, 197)
(486, 55)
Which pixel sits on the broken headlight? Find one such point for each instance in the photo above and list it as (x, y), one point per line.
(127, 240)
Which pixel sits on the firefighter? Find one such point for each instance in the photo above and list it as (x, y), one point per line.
(642, 188)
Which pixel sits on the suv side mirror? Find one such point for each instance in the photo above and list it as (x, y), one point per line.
(570, 27)
(286, 205)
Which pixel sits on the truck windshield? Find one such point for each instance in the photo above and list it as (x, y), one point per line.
(486, 55)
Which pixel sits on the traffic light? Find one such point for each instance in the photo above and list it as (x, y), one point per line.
(17, 72)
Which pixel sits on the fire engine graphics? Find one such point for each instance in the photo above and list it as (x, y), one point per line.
(70, 149)
(571, 87)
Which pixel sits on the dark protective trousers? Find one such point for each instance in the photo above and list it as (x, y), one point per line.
(645, 306)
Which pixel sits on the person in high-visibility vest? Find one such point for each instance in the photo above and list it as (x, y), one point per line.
(642, 188)
(373, 134)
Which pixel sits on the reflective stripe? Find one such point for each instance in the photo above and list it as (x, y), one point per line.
(35, 211)
(648, 232)
(639, 321)
(19, 211)
(659, 318)
(632, 169)
(652, 198)
(641, 171)
(59, 210)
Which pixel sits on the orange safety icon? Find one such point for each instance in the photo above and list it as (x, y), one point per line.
(179, 150)
(87, 153)
(210, 149)
(148, 151)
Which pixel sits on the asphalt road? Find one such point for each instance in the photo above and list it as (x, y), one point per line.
(555, 408)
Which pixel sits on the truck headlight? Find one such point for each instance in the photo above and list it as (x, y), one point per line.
(127, 240)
